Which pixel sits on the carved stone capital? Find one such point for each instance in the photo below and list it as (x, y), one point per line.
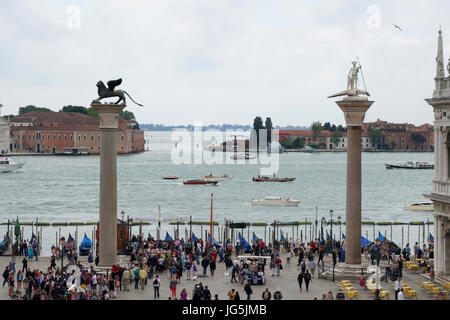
(354, 111)
(108, 114)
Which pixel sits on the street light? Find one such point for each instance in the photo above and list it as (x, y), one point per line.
(331, 232)
(122, 231)
(62, 243)
(322, 222)
(340, 233)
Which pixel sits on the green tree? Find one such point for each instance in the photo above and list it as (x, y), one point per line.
(336, 136)
(417, 138)
(316, 128)
(29, 108)
(127, 115)
(341, 128)
(257, 125)
(91, 112)
(77, 109)
(333, 128)
(269, 128)
(298, 143)
(327, 126)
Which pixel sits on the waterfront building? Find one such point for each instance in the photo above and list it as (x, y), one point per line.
(4, 134)
(440, 194)
(306, 136)
(55, 132)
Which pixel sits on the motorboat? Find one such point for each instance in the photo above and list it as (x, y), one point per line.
(8, 165)
(274, 179)
(242, 156)
(171, 177)
(307, 149)
(276, 202)
(75, 152)
(410, 165)
(421, 206)
(201, 181)
(225, 176)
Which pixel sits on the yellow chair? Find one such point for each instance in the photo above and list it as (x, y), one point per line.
(411, 293)
(384, 294)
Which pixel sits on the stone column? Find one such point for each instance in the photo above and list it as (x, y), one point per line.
(109, 122)
(354, 108)
(436, 241)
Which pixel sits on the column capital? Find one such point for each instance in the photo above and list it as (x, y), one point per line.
(108, 114)
(354, 110)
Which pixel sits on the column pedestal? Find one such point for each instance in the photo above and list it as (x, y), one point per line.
(109, 122)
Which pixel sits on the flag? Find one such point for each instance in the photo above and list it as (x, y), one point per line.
(214, 242)
(194, 238)
(430, 238)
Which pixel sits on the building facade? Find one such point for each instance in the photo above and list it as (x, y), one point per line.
(441, 181)
(4, 134)
(55, 132)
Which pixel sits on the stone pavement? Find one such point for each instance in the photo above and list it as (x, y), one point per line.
(287, 282)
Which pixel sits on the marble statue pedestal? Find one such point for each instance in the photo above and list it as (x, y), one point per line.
(109, 123)
(344, 271)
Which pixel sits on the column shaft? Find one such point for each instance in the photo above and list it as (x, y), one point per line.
(353, 210)
(108, 197)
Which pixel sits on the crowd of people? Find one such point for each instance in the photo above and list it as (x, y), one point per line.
(178, 260)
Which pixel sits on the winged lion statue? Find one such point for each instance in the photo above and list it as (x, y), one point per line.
(108, 92)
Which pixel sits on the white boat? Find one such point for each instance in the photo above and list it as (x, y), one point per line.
(276, 201)
(422, 206)
(245, 156)
(307, 149)
(8, 165)
(410, 165)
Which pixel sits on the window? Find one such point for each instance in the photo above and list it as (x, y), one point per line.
(121, 138)
(59, 137)
(48, 137)
(54, 137)
(65, 137)
(403, 141)
(70, 137)
(99, 137)
(92, 138)
(84, 137)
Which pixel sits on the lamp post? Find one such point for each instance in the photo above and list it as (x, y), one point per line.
(340, 232)
(62, 244)
(331, 231)
(315, 235)
(322, 222)
(122, 232)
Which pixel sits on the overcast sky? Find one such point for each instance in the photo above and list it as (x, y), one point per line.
(218, 61)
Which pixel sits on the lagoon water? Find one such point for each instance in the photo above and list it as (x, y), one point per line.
(59, 189)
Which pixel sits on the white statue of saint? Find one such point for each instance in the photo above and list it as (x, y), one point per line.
(352, 83)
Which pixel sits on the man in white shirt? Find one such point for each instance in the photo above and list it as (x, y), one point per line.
(398, 287)
(156, 284)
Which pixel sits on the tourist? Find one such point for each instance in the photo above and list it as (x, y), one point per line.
(216, 297)
(24, 264)
(156, 285)
(397, 286)
(300, 278)
(340, 295)
(432, 274)
(116, 286)
(183, 294)
(19, 279)
(307, 278)
(205, 264)
(362, 282)
(212, 267)
(188, 267)
(266, 295)
(111, 287)
(248, 290)
(136, 277)
(277, 294)
(142, 278)
(5, 275)
(173, 286)
(206, 294)
(272, 267)
(288, 258)
(231, 294)
(330, 295)
(236, 296)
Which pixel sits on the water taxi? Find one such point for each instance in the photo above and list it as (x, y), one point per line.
(171, 177)
(268, 179)
(8, 165)
(421, 206)
(276, 202)
(410, 165)
(244, 156)
(201, 181)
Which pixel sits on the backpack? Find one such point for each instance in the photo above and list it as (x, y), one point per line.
(155, 282)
